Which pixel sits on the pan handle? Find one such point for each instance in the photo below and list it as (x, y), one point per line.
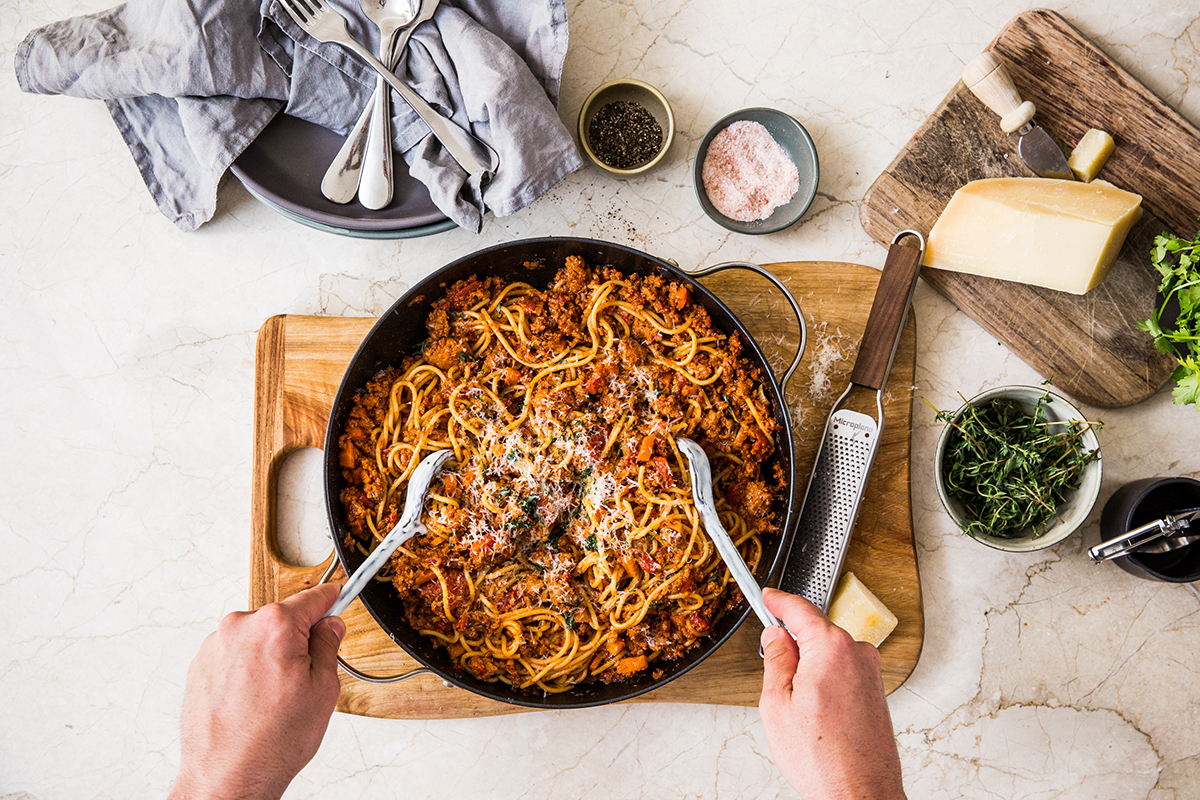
(354, 671)
(765, 273)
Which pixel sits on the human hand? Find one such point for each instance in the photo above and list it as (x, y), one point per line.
(824, 708)
(259, 696)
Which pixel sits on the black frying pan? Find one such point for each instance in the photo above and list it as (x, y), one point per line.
(399, 333)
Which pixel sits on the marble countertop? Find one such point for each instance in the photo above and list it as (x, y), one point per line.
(127, 350)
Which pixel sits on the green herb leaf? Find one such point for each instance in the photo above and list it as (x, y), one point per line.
(530, 506)
(1178, 262)
(1187, 382)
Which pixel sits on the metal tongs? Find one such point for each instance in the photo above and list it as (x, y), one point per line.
(1160, 536)
(701, 475)
(410, 525)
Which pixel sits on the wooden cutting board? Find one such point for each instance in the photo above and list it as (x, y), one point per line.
(1087, 344)
(300, 362)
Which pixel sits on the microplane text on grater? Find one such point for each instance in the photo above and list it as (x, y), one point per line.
(851, 439)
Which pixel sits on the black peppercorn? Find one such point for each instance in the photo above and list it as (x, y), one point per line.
(624, 135)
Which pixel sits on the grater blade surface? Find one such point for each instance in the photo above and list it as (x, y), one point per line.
(830, 507)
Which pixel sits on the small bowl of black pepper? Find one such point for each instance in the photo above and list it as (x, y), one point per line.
(626, 127)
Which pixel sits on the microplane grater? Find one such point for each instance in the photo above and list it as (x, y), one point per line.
(851, 439)
(831, 506)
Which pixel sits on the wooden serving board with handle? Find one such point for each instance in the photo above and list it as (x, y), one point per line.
(1087, 344)
(300, 362)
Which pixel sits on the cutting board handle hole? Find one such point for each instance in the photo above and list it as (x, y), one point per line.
(301, 527)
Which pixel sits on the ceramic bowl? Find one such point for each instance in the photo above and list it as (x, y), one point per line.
(798, 145)
(634, 91)
(1078, 503)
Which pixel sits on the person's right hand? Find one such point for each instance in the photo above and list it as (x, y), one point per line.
(259, 696)
(824, 708)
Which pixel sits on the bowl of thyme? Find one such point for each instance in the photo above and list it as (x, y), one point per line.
(1018, 467)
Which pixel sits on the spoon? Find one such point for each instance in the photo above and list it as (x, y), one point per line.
(410, 525)
(375, 182)
(701, 473)
(428, 7)
(341, 180)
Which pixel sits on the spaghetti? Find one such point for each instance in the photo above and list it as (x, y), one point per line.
(563, 545)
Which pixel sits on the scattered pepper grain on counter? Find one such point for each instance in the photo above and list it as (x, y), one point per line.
(624, 135)
(746, 174)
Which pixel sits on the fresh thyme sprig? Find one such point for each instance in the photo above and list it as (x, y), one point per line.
(1010, 470)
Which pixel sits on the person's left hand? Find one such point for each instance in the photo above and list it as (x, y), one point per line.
(259, 697)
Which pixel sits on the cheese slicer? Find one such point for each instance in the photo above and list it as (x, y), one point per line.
(851, 439)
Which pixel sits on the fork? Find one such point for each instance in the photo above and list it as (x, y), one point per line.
(326, 24)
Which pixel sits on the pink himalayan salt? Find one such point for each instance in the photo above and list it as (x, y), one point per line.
(746, 174)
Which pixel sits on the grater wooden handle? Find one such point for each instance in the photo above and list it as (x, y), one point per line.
(888, 313)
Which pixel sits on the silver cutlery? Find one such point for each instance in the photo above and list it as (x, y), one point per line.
(327, 25)
(410, 525)
(375, 180)
(342, 178)
(702, 496)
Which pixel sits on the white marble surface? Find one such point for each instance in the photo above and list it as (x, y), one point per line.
(127, 354)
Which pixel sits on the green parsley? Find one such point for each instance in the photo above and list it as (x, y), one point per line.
(591, 543)
(530, 506)
(569, 618)
(1178, 261)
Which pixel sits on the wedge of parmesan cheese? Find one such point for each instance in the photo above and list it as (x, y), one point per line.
(1062, 235)
(1090, 154)
(857, 611)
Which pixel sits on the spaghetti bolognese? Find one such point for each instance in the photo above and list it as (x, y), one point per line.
(563, 545)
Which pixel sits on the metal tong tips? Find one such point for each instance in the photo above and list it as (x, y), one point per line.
(701, 475)
(1159, 536)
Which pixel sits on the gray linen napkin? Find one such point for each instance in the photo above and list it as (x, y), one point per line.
(190, 83)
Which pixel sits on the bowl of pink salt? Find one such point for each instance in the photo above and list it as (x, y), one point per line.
(756, 171)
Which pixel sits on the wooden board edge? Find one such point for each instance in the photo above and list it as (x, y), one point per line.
(269, 360)
(894, 678)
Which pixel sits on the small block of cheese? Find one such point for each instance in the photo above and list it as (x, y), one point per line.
(1062, 235)
(1090, 154)
(858, 612)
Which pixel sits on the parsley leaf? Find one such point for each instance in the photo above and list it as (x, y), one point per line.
(1178, 262)
(530, 506)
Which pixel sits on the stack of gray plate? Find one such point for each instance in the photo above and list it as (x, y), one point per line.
(283, 168)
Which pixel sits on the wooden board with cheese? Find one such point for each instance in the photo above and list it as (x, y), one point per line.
(1086, 343)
